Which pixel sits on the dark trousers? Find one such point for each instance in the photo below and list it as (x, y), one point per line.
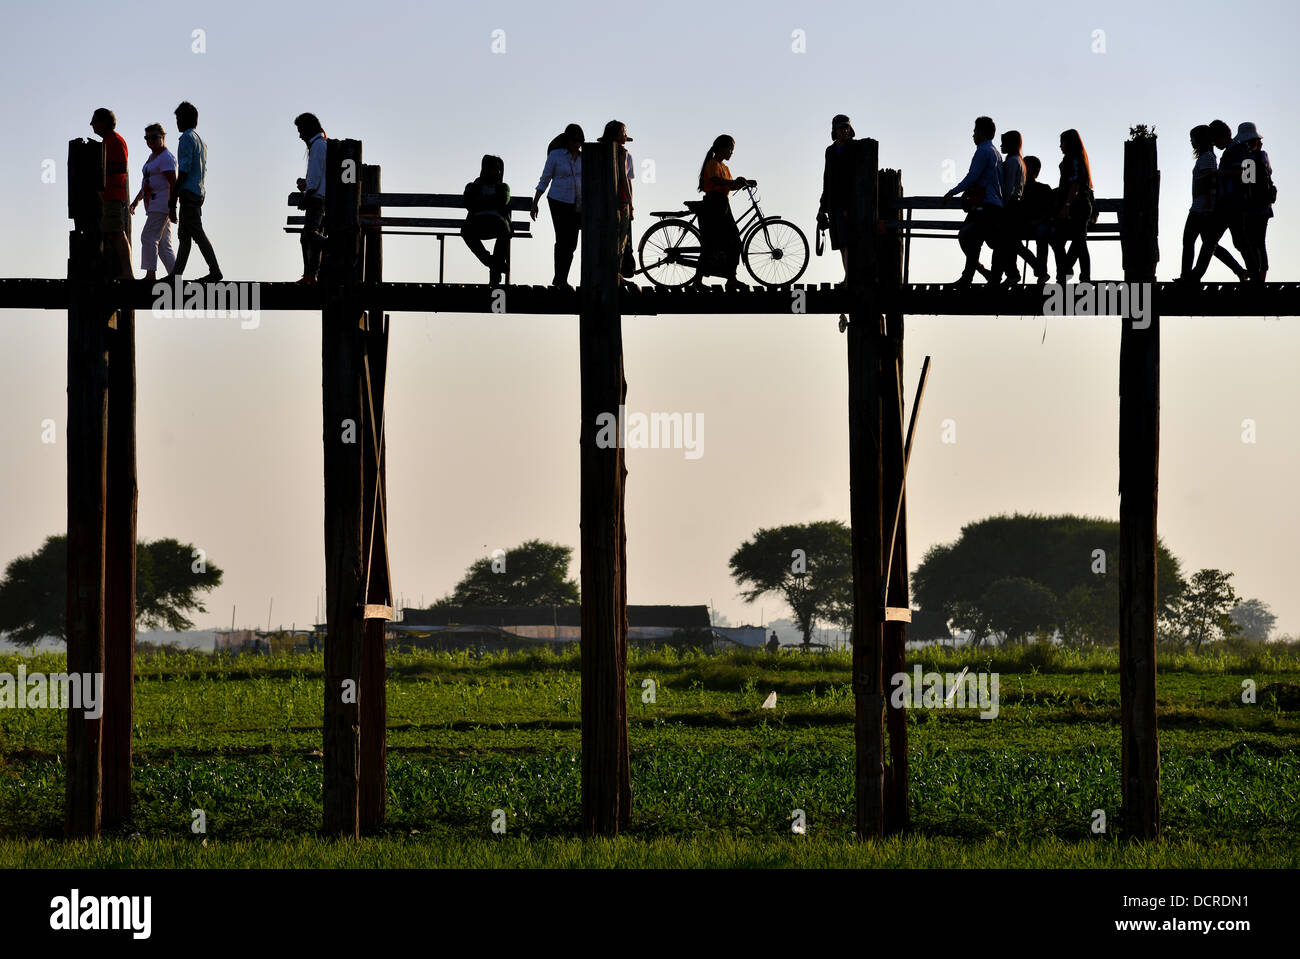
(1040, 233)
(191, 229)
(313, 236)
(485, 226)
(1073, 231)
(1254, 229)
(1209, 227)
(567, 222)
(719, 236)
(983, 225)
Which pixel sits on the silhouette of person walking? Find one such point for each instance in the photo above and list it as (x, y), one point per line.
(982, 199)
(192, 166)
(1203, 219)
(563, 173)
(720, 238)
(115, 223)
(156, 188)
(1076, 211)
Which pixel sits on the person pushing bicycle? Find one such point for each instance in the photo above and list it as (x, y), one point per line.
(719, 236)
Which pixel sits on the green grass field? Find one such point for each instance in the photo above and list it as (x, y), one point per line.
(715, 778)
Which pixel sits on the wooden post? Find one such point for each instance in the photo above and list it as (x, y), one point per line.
(86, 436)
(604, 605)
(344, 441)
(865, 498)
(889, 260)
(1139, 457)
(119, 572)
(374, 693)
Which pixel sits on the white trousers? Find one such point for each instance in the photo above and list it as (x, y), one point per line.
(156, 241)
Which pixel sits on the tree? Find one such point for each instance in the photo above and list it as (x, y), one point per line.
(1205, 609)
(1253, 619)
(1058, 553)
(809, 565)
(532, 574)
(1020, 607)
(169, 579)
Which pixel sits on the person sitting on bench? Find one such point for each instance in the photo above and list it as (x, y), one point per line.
(488, 200)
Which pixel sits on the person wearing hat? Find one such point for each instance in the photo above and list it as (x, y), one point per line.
(616, 132)
(1258, 196)
(837, 190)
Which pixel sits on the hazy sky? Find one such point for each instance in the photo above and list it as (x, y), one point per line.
(483, 410)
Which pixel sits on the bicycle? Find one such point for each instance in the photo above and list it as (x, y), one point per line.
(775, 251)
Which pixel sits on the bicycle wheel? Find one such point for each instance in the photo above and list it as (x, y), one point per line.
(776, 252)
(670, 253)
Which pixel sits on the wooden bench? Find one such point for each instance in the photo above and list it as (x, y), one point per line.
(910, 227)
(521, 225)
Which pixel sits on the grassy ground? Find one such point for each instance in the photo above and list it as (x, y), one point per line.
(715, 779)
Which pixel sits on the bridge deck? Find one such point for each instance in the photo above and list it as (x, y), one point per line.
(915, 299)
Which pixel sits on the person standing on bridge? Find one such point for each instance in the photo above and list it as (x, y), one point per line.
(616, 132)
(1259, 195)
(487, 198)
(837, 190)
(563, 173)
(1013, 188)
(720, 239)
(1075, 210)
(1203, 220)
(156, 190)
(982, 187)
(115, 222)
(192, 163)
(312, 188)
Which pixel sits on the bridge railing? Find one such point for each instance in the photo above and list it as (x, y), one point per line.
(930, 229)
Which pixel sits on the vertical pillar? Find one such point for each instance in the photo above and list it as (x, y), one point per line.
(344, 441)
(604, 605)
(119, 572)
(374, 693)
(865, 497)
(889, 259)
(1139, 456)
(87, 441)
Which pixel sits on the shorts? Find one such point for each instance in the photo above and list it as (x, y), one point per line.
(114, 218)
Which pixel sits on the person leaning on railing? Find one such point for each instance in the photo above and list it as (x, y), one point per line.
(837, 190)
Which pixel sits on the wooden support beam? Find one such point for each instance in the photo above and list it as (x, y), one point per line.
(889, 267)
(119, 572)
(604, 603)
(378, 608)
(1139, 457)
(342, 366)
(86, 436)
(865, 341)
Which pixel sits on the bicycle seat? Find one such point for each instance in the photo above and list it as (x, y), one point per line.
(693, 205)
(674, 213)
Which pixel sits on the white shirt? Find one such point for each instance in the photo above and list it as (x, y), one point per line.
(156, 189)
(563, 171)
(1013, 178)
(316, 166)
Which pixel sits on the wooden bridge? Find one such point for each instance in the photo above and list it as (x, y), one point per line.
(354, 302)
